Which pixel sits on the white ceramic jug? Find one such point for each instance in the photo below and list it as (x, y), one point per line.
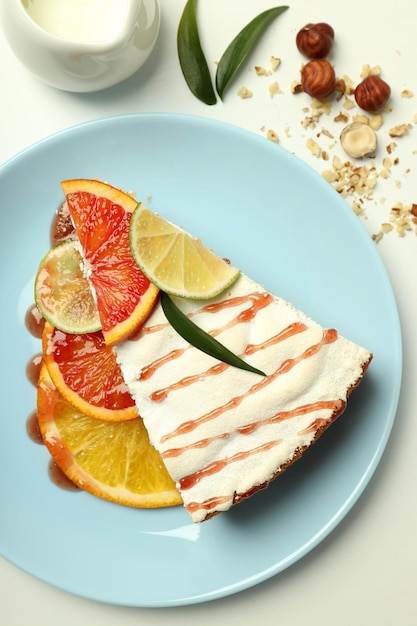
(81, 45)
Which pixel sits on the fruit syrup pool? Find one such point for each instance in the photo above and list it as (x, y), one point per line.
(61, 229)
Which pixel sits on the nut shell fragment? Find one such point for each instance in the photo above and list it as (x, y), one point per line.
(358, 140)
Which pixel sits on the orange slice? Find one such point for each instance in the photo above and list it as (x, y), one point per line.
(113, 461)
(85, 371)
(101, 215)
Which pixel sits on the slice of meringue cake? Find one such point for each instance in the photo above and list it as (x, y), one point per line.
(225, 433)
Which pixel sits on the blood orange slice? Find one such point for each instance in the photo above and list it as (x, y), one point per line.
(101, 215)
(113, 461)
(85, 371)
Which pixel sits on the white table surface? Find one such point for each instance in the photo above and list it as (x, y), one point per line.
(364, 572)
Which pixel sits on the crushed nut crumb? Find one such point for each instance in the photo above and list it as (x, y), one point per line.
(377, 237)
(275, 62)
(349, 85)
(271, 135)
(314, 147)
(350, 179)
(261, 71)
(326, 133)
(244, 93)
(348, 104)
(340, 88)
(296, 87)
(391, 147)
(376, 121)
(367, 70)
(386, 227)
(274, 89)
(402, 217)
(400, 130)
(361, 118)
(341, 117)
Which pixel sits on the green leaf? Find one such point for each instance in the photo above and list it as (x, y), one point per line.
(198, 337)
(240, 47)
(191, 56)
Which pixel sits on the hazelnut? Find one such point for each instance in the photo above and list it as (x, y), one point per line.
(315, 41)
(358, 140)
(372, 93)
(318, 79)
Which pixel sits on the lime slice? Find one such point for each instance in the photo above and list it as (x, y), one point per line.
(62, 292)
(174, 261)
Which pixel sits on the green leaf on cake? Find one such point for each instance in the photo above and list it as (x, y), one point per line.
(198, 337)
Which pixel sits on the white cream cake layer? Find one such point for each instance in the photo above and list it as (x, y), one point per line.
(224, 432)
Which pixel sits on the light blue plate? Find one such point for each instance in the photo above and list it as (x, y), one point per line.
(285, 227)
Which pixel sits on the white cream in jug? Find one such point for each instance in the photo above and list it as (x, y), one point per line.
(88, 21)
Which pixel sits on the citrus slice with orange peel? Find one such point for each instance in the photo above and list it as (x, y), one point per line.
(113, 461)
(123, 294)
(85, 371)
(62, 292)
(172, 259)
